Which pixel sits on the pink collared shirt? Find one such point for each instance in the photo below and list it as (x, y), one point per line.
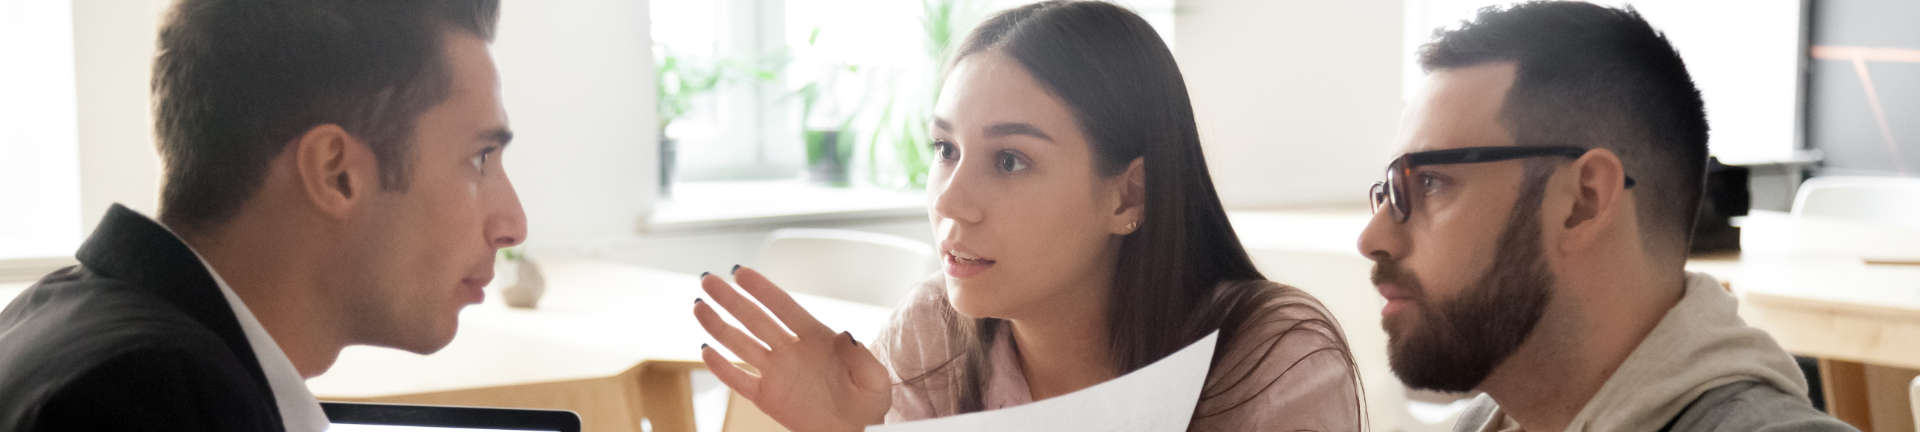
(1287, 368)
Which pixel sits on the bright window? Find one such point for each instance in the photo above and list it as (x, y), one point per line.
(783, 72)
(39, 160)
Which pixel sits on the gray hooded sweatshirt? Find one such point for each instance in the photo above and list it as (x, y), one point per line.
(1700, 369)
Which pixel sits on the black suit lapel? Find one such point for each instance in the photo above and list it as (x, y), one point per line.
(130, 247)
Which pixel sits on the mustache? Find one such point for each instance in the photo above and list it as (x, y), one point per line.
(1385, 271)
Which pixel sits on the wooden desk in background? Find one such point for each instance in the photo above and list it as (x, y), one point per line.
(610, 341)
(1810, 284)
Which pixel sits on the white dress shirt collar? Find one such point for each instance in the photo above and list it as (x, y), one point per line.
(299, 410)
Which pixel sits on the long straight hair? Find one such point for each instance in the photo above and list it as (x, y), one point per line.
(1179, 275)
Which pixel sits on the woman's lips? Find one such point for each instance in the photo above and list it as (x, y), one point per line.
(961, 266)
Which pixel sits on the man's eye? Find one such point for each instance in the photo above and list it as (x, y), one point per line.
(1428, 183)
(480, 160)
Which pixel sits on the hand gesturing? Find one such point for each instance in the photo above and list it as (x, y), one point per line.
(810, 379)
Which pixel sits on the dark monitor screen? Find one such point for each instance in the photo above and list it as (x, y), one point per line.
(1862, 97)
(364, 417)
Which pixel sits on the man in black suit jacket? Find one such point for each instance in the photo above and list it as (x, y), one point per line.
(332, 177)
(137, 336)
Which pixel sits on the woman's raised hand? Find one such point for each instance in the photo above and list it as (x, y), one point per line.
(810, 378)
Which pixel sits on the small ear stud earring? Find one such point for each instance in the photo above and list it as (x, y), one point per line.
(1132, 226)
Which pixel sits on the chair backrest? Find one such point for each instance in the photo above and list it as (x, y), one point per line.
(871, 268)
(1878, 200)
(1913, 397)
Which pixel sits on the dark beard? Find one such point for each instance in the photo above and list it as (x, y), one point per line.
(1456, 344)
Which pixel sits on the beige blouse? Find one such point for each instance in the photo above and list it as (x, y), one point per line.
(1288, 367)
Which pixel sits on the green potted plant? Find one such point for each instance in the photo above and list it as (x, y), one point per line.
(829, 148)
(677, 82)
(826, 120)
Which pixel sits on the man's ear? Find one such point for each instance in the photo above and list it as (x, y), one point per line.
(1599, 194)
(1132, 203)
(334, 169)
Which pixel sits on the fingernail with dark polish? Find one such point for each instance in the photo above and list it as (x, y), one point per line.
(736, 268)
(703, 275)
(703, 347)
(697, 300)
(849, 336)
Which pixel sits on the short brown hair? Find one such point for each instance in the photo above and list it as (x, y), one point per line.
(1597, 77)
(236, 80)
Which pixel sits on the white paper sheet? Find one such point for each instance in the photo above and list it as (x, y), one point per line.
(1158, 397)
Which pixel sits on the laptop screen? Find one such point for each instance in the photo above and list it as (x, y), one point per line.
(366, 417)
(350, 427)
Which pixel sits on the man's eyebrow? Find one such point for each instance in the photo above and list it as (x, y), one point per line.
(500, 136)
(942, 124)
(1011, 129)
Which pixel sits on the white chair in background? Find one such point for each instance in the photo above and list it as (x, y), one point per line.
(1913, 397)
(1876, 218)
(865, 267)
(1877, 200)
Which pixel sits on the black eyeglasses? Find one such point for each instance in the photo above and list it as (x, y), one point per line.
(1394, 188)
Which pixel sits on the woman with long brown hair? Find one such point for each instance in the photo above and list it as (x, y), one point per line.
(1082, 239)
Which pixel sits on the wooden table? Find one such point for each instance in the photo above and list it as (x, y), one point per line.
(1810, 284)
(610, 341)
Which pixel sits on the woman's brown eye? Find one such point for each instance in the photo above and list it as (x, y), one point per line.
(943, 150)
(1010, 163)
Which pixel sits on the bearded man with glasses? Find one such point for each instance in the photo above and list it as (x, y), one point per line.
(1531, 240)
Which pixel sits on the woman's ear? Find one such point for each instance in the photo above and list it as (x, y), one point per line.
(1132, 191)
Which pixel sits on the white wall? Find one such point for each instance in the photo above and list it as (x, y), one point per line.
(113, 44)
(577, 78)
(1297, 101)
